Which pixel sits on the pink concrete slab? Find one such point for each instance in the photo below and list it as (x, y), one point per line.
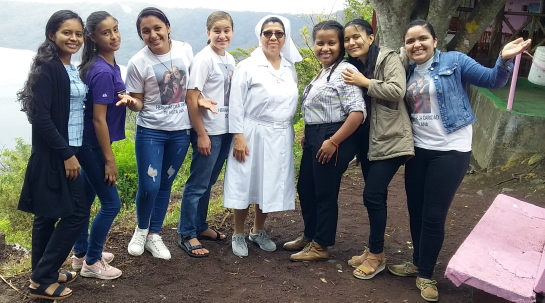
(502, 254)
(539, 286)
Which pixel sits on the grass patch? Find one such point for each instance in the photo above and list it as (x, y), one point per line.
(15, 266)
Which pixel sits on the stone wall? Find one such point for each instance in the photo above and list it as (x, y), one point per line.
(498, 134)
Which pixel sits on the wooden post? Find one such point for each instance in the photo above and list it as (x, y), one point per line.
(2, 239)
(495, 40)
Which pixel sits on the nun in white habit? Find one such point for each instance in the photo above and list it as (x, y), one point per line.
(263, 101)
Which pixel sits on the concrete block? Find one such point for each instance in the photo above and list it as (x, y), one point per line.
(540, 279)
(499, 134)
(502, 254)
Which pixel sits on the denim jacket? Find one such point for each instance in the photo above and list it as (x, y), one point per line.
(451, 73)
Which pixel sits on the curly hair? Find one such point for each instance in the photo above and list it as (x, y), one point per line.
(47, 51)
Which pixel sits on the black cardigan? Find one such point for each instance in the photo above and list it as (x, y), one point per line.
(46, 191)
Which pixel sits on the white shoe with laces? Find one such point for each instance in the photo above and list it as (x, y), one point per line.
(263, 240)
(138, 240)
(100, 270)
(156, 247)
(239, 246)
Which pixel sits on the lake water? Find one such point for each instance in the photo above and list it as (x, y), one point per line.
(13, 123)
(15, 64)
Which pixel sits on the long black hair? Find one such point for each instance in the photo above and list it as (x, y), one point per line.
(336, 26)
(47, 51)
(90, 51)
(366, 68)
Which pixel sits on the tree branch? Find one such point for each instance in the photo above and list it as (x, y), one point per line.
(480, 18)
(440, 13)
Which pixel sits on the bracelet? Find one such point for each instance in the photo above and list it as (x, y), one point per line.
(336, 150)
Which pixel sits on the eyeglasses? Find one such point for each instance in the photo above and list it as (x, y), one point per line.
(268, 34)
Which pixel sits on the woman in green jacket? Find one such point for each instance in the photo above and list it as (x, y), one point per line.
(386, 139)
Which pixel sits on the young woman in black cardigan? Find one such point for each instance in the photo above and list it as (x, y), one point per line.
(53, 190)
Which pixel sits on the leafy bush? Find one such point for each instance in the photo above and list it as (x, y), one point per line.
(17, 224)
(125, 159)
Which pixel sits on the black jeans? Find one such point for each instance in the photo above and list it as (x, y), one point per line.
(318, 185)
(431, 180)
(53, 238)
(377, 175)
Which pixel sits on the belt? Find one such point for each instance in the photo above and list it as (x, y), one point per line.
(273, 124)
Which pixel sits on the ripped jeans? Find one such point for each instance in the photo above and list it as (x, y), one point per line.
(159, 156)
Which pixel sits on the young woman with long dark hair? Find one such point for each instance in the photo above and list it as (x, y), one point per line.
(385, 139)
(104, 123)
(53, 189)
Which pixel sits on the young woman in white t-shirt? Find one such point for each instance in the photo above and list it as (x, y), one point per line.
(441, 121)
(162, 133)
(211, 72)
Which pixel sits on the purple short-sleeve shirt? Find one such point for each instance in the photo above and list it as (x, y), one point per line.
(105, 82)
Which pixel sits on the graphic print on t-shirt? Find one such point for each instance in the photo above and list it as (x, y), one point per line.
(227, 70)
(172, 79)
(418, 95)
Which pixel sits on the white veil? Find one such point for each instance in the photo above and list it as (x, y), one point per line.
(289, 50)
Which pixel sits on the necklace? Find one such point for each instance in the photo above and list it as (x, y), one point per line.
(224, 64)
(170, 54)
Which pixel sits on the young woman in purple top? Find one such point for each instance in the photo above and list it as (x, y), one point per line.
(104, 123)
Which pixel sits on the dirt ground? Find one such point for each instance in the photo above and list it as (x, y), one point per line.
(272, 277)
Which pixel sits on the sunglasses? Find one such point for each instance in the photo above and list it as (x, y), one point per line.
(268, 34)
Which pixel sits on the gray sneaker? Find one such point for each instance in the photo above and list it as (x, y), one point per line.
(240, 248)
(263, 240)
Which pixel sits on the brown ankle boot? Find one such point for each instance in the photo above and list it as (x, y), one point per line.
(297, 244)
(312, 252)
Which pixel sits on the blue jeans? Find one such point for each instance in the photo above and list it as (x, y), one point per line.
(204, 173)
(92, 162)
(159, 156)
(377, 175)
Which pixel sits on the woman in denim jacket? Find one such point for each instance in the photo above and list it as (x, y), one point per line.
(441, 121)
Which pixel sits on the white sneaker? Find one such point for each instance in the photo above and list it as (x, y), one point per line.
(239, 246)
(138, 240)
(156, 247)
(263, 240)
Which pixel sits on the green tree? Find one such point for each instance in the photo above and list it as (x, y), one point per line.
(357, 9)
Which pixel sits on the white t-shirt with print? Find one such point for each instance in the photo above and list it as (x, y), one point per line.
(163, 81)
(428, 130)
(211, 74)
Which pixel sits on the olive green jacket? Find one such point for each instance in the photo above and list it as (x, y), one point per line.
(390, 125)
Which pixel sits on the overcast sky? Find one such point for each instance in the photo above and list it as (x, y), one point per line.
(275, 6)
